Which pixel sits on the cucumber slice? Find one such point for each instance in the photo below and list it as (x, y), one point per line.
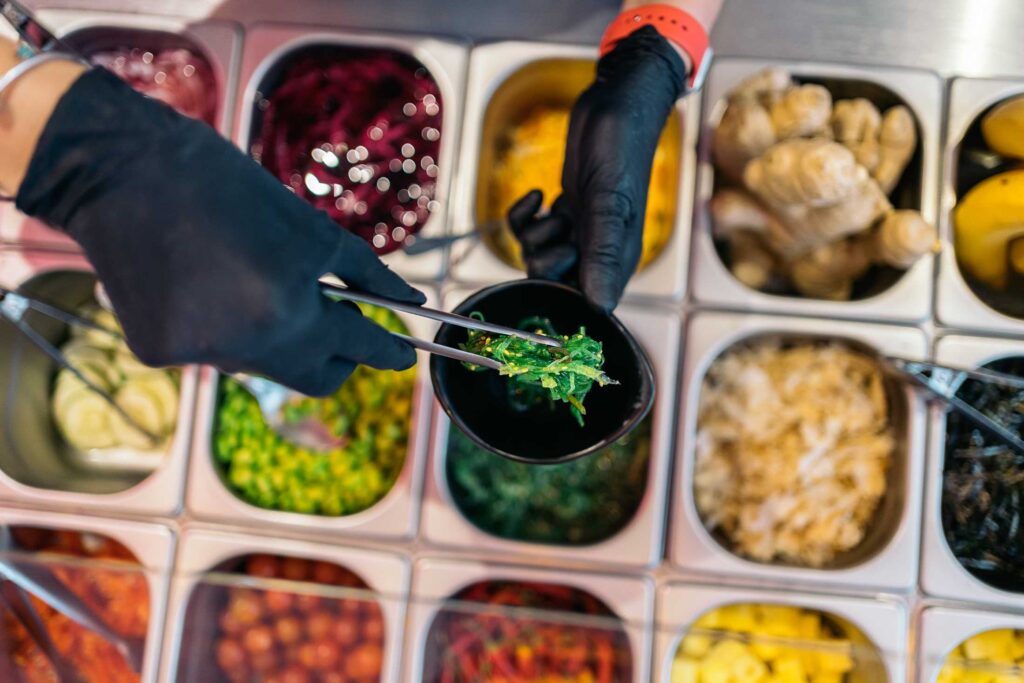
(162, 390)
(143, 405)
(102, 339)
(131, 366)
(85, 421)
(128, 436)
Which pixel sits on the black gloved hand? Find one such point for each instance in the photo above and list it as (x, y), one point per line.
(595, 229)
(205, 256)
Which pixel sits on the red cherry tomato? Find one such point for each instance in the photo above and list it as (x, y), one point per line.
(345, 631)
(294, 674)
(319, 624)
(230, 655)
(258, 639)
(325, 572)
(327, 655)
(265, 566)
(288, 630)
(278, 602)
(365, 661)
(294, 569)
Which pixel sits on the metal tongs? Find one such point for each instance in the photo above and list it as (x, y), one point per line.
(943, 382)
(20, 580)
(14, 306)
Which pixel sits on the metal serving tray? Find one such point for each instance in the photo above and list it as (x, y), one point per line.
(396, 515)
(639, 543)
(436, 580)
(492, 71)
(36, 466)
(956, 304)
(205, 550)
(218, 41)
(152, 545)
(942, 575)
(944, 628)
(883, 622)
(268, 45)
(887, 559)
(909, 298)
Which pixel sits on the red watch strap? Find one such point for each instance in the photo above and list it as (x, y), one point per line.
(674, 24)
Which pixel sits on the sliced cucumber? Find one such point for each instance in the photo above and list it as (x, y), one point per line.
(163, 391)
(128, 436)
(143, 405)
(101, 339)
(85, 421)
(131, 366)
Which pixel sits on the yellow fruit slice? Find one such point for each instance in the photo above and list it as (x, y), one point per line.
(986, 220)
(1003, 128)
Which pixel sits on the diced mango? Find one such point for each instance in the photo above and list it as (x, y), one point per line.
(790, 670)
(993, 646)
(739, 618)
(695, 646)
(685, 671)
(836, 657)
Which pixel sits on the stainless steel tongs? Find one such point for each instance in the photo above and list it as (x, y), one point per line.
(14, 306)
(943, 382)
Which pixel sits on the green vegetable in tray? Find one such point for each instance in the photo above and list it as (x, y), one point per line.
(148, 395)
(370, 412)
(563, 374)
(576, 503)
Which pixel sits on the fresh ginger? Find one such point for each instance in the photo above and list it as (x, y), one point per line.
(809, 178)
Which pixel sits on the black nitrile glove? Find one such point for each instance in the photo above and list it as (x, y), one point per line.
(595, 230)
(205, 256)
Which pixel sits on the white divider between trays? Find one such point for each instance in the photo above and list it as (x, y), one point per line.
(437, 580)
(161, 492)
(956, 305)
(942, 629)
(883, 621)
(201, 550)
(942, 575)
(908, 300)
(268, 44)
(692, 548)
(152, 545)
(220, 42)
(639, 543)
(490, 65)
(395, 516)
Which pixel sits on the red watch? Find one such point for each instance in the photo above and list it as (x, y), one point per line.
(675, 25)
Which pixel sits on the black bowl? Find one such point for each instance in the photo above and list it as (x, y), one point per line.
(477, 401)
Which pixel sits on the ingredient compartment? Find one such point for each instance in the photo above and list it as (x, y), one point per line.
(248, 611)
(363, 127)
(243, 471)
(797, 521)
(979, 282)
(963, 646)
(607, 507)
(716, 633)
(62, 443)
(517, 115)
(863, 248)
(540, 624)
(115, 571)
(971, 546)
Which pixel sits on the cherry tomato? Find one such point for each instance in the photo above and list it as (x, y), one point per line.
(319, 624)
(373, 627)
(278, 602)
(326, 654)
(307, 603)
(246, 607)
(258, 639)
(325, 572)
(230, 654)
(365, 661)
(230, 625)
(288, 630)
(345, 631)
(294, 569)
(294, 674)
(264, 662)
(265, 566)
(307, 656)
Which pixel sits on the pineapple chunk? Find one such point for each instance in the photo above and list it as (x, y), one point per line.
(992, 646)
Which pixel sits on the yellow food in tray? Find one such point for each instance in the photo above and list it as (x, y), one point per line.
(989, 226)
(751, 643)
(532, 160)
(990, 657)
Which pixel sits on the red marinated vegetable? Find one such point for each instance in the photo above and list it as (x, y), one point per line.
(356, 134)
(280, 636)
(515, 642)
(179, 78)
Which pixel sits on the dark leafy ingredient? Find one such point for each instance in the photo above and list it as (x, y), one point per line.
(357, 134)
(564, 374)
(983, 484)
(532, 633)
(371, 412)
(576, 503)
(179, 78)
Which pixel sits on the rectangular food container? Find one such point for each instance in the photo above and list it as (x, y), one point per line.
(490, 74)
(887, 558)
(152, 544)
(942, 629)
(203, 563)
(50, 474)
(435, 580)
(942, 576)
(267, 46)
(883, 622)
(956, 305)
(395, 516)
(219, 41)
(907, 300)
(639, 543)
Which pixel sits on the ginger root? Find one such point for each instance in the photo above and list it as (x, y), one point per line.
(801, 112)
(902, 238)
(829, 271)
(804, 173)
(752, 263)
(856, 124)
(898, 140)
(744, 133)
(763, 87)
